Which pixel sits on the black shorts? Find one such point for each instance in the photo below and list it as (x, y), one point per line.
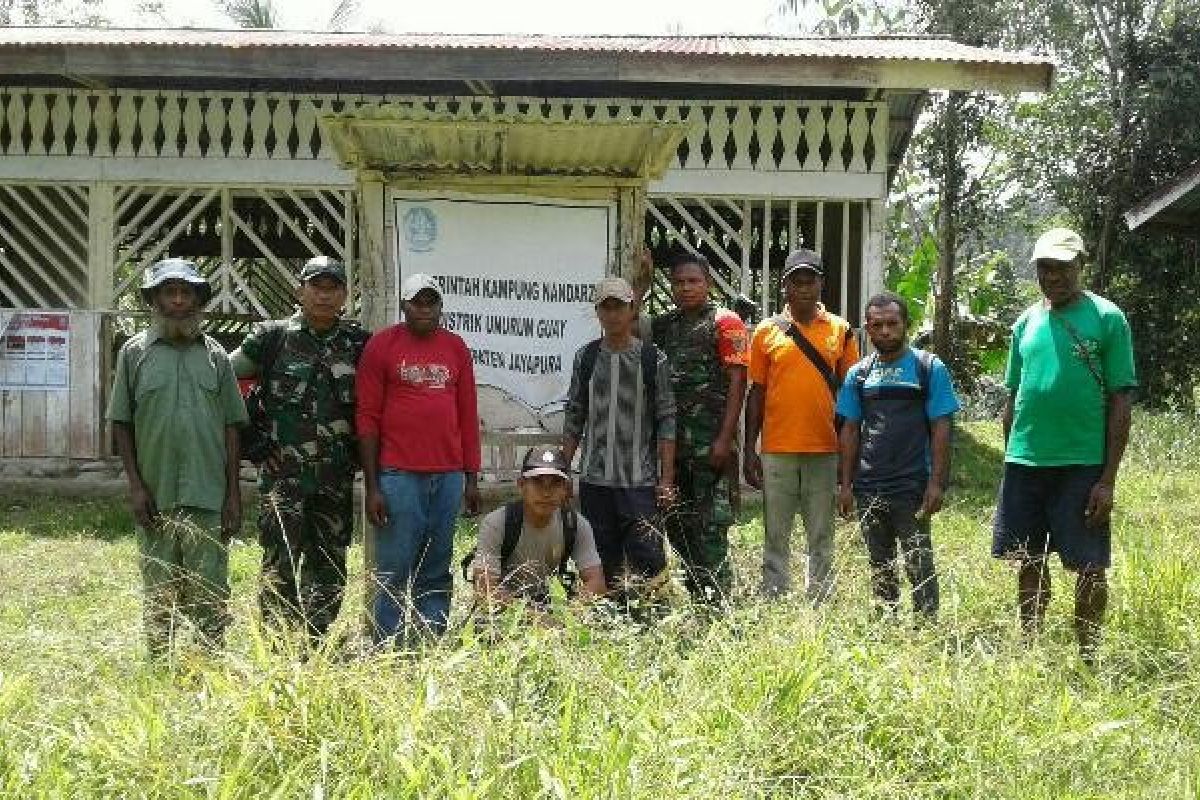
(1041, 510)
(627, 531)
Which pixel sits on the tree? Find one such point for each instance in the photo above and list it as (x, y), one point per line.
(51, 12)
(265, 14)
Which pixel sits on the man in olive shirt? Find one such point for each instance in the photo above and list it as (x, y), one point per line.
(1070, 379)
(175, 411)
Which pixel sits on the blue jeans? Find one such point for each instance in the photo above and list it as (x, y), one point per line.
(413, 552)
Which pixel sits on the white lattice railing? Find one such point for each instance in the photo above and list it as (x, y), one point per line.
(249, 241)
(747, 239)
(43, 246)
(766, 135)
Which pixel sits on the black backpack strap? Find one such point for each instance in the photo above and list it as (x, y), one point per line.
(274, 336)
(925, 372)
(570, 527)
(650, 374)
(514, 521)
(806, 347)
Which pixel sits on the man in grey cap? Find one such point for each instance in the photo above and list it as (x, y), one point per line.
(175, 411)
(798, 360)
(621, 407)
(1070, 382)
(303, 410)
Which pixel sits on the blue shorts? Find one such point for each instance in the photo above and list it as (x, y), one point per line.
(1041, 511)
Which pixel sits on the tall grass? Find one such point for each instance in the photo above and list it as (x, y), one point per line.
(774, 700)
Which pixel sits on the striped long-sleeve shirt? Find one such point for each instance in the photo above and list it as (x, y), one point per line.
(617, 424)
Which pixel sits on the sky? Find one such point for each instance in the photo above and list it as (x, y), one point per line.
(491, 16)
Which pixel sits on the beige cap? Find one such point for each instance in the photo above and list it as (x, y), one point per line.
(1058, 244)
(613, 287)
(416, 283)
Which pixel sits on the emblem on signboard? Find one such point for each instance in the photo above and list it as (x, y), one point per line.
(420, 229)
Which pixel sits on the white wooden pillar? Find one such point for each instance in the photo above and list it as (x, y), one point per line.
(874, 228)
(377, 308)
(844, 289)
(631, 223)
(100, 246)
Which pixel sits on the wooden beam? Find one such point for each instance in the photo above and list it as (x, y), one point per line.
(360, 64)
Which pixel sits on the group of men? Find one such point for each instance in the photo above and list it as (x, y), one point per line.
(653, 414)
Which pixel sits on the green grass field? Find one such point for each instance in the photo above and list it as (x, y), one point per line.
(774, 701)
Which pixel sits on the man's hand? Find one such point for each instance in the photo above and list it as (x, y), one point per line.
(376, 508)
(752, 469)
(845, 502)
(1099, 504)
(931, 503)
(471, 494)
(721, 449)
(145, 512)
(667, 494)
(231, 514)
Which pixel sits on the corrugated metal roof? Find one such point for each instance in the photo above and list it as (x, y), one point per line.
(718, 46)
(397, 138)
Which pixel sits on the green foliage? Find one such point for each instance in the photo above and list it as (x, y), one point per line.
(913, 278)
(776, 700)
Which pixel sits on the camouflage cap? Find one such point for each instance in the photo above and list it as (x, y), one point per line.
(323, 265)
(175, 269)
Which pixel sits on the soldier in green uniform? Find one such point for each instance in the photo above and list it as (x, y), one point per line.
(306, 367)
(707, 349)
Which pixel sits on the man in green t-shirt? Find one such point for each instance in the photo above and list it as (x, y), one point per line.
(175, 411)
(1070, 379)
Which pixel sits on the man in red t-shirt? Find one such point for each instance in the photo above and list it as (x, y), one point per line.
(418, 434)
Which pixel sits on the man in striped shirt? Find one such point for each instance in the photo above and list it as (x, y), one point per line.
(621, 407)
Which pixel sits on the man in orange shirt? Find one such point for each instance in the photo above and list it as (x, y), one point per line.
(798, 360)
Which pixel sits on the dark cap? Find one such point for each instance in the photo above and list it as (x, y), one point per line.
(323, 265)
(802, 259)
(545, 460)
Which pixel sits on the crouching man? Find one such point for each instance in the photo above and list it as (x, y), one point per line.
(524, 544)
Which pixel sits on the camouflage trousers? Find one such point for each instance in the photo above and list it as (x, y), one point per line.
(185, 571)
(304, 536)
(698, 529)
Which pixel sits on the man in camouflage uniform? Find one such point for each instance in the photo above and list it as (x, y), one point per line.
(707, 349)
(306, 365)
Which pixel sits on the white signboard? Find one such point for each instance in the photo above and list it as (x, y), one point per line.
(517, 275)
(34, 350)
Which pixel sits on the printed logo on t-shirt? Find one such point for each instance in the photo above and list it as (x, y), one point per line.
(428, 376)
(1086, 350)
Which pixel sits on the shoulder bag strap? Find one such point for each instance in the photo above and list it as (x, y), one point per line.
(806, 347)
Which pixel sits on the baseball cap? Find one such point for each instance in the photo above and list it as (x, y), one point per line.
(1058, 244)
(323, 265)
(175, 269)
(545, 460)
(419, 282)
(802, 259)
(614, 287)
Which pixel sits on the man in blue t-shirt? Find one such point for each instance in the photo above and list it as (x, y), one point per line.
(897, 405)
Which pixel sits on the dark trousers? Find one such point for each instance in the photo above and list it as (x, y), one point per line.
(304, 536)
(889, 522)
(624, 524)
(698, 529)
